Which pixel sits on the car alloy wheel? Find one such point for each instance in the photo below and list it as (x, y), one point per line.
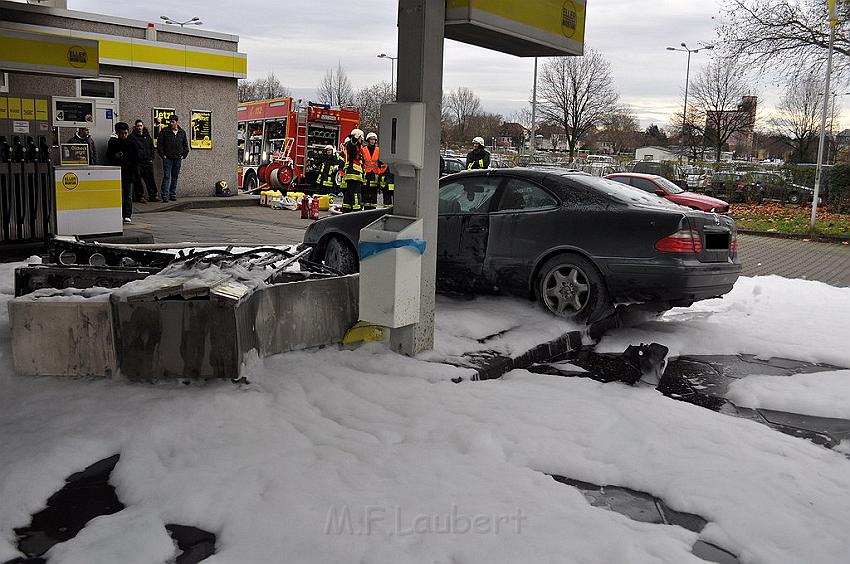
(794, 198)
(570, 286)
(566, 290)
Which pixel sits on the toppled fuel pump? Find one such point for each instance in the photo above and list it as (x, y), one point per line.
(195, 315)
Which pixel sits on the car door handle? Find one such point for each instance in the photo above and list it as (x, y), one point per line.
(474, 229)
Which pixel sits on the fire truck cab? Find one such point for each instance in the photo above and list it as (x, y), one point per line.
(277, 140)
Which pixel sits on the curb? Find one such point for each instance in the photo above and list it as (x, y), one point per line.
(796, 236)
(202, 203)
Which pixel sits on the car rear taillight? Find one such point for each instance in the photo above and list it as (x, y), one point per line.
(682, 241)
(733, 245)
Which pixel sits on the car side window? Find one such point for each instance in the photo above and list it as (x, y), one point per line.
(468, 195)
(621, 179)
(644, 184)
(523, 195)
(453, 166)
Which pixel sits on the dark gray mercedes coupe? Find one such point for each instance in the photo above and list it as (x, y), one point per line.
(577, 243)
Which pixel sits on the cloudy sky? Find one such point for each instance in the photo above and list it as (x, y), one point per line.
(299, 40)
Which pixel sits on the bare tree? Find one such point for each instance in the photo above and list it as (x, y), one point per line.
(485, 124)
(690, 139)
(621, 130)
(799, 115)
(264, 88)
(335, 88)
(577, 93)
(722, 102)
(463, 104)
(789, 33)
(369, 100)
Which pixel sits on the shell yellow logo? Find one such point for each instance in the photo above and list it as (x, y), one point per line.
(70, 181)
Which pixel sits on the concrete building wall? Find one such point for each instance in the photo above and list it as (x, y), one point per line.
(142, 90)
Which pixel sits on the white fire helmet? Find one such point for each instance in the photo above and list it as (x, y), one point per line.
(479, 140)
(357, 134)
(329, 148)
(372, 135)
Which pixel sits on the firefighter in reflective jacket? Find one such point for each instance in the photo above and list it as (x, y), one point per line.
(353, 171)
(387, 187)
(478, 157)
(373, 169)
(328, 163)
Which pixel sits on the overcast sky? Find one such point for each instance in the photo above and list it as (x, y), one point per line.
(299, 40)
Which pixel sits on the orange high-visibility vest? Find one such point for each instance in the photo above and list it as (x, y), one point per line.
(370, 160)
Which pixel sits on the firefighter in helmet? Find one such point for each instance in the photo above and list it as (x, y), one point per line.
(373, 169)
(478, 157)
(353, 171)
(327, 163)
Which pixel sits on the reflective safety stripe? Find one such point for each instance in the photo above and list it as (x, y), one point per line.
(391, 186)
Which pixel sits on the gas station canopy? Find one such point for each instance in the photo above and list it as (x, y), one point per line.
(533, 28)
(48, 54)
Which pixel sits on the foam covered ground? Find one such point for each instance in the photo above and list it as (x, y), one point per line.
(365, 456)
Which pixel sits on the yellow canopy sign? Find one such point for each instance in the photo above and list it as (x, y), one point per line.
(48, 54)
(533, 28)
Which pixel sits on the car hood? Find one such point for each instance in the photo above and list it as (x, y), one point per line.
(694, 199)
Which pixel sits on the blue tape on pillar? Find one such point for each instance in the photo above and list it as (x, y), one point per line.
(367, 249)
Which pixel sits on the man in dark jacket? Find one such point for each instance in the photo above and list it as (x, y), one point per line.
(173, 146)
(121, 151)
(145, 149)
(83, 137)
(478, 157)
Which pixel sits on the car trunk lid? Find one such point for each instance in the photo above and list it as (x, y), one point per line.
(717, 234)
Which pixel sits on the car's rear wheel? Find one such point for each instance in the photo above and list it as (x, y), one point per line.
(339, 256)
(571, 287)
(794, 198)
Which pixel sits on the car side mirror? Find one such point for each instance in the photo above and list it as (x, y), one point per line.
(660, 192)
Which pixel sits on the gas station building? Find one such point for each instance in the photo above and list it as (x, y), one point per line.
(144, 69)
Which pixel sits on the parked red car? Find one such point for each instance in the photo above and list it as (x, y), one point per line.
(666, 189)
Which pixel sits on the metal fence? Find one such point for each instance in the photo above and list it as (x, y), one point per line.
(27, 202)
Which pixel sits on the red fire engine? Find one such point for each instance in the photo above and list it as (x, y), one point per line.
(277, 138)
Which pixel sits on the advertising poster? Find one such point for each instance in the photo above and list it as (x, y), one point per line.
(159, 120)
(74, 154)
(201, 130)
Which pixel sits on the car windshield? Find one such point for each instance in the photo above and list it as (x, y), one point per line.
(668, 186)
(623, 192)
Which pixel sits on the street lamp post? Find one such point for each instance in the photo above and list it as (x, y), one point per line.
(684, 48)
(194, 21)
(392, 70)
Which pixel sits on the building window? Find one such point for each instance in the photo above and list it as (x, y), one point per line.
(98, 88)
(4, 82)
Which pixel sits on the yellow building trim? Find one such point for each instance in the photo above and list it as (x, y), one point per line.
(141, 53)
(54, 54)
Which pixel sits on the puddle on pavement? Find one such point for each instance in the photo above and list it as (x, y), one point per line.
(86, 495)
(640, 506)
(704, 381)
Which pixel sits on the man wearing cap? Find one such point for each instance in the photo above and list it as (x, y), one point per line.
(478, 157)
(173, 146)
